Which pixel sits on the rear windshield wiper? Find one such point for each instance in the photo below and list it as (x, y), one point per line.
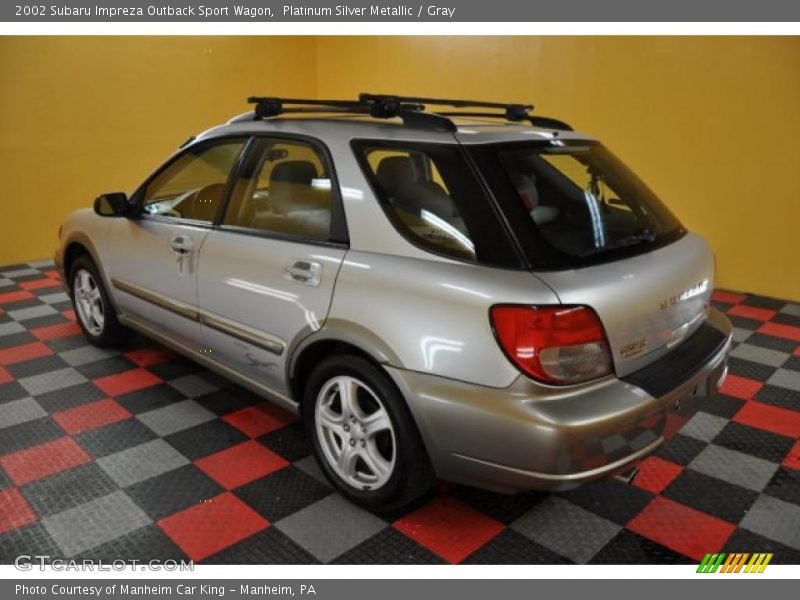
(645, 236)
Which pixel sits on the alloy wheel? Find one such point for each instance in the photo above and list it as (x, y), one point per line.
(88, 302)
(355, 433)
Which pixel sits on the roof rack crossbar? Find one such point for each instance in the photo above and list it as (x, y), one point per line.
(513, 112)
(411, 109)
(412, 114)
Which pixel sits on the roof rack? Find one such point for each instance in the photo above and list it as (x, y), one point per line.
(411, 109)
(535, 120)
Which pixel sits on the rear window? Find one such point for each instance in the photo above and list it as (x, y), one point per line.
(574, 203)
(432, 197)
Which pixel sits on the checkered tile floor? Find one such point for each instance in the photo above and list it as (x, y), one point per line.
(142, 454)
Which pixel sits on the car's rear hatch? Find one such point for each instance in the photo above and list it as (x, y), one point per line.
(648, 303)
(598, 236)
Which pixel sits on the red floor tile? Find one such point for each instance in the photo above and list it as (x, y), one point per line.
(655, 474)
(258, 420)
(727, 297)
(52, 332)
(37, 284)
(147, 357)
(90, 416)
(792, 459)
(780, 330)
(241, 464)
(752, 312)
(128, 381)
(5, 376)
(53, 274)
(740, 387)
(213, 525)
(450, 528)
(14, 510)
(70, 314)
(770, 418)
(681, 528)
(16, 354)
(40, 461)
(9, 297)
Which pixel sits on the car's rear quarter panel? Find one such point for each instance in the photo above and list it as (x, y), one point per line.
(433, 314)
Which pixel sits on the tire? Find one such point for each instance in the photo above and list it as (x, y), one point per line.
(93, 309)
(405, 474)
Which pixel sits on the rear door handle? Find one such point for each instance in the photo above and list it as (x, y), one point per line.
(306, 272)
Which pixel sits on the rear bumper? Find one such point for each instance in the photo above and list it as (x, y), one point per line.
(530, 436)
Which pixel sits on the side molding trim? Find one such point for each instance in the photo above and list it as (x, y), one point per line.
(165, 302)
(242, 332)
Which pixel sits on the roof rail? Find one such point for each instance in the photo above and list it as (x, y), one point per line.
(535, 120)
(411, 109)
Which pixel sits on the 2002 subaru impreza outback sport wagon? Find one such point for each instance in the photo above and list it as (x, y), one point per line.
(479, 295)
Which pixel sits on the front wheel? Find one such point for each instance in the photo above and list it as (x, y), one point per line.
(93, 309)
(363, 434)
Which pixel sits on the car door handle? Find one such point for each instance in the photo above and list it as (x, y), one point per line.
(181, 245)
(304, 271)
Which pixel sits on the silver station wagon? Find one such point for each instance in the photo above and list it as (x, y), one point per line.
(475, 293)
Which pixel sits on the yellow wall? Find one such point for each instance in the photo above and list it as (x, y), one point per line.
(712, 123)
(85, 115)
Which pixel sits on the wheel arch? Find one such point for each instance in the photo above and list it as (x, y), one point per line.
(336, 337)
(79, 244)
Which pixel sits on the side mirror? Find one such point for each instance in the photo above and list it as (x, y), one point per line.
(114, 204)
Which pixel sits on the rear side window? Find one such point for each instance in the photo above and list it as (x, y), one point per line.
(431, 196)
(289, 192)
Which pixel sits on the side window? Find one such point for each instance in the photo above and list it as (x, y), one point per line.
(415, 189)
(288, 193)
(193, 185)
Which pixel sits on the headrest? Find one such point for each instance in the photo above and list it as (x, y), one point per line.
(526, 188)
(426, 195)
(395, 171)
(294, 171)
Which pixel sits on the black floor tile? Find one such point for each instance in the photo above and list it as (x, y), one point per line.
(115, 437)
(681, 449)
(206, 438)
(611, 499)
(173, 491)
(70, 397)
(629, 548)
(27, 435)
(141, 545)
(68, 489)
(267, 547)
(389, 547)
(512, 548)
(150, 398)
(755, 442)
(282, 493)
(710, 495)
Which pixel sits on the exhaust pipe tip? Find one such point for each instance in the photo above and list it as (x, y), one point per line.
(628, 476)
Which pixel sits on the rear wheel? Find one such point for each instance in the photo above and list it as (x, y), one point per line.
(93, 309)
(364, 436)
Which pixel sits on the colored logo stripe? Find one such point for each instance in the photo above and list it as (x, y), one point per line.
(734, 562)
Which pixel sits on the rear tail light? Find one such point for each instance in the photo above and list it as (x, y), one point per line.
(553, 344)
